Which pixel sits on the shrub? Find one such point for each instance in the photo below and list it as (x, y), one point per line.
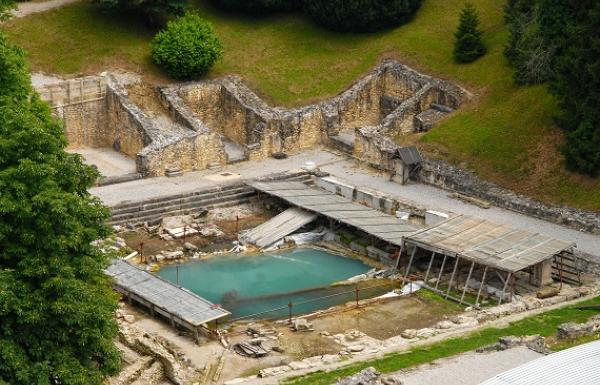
(468, 46)
(155, 11)
(187, 48)
(361, 15)
(257, 6)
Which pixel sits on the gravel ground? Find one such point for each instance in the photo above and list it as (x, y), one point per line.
(108, 161)
(467, 369)
(417, 194)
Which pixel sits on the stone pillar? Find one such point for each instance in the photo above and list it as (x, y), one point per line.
(400, 172)
(542, 273)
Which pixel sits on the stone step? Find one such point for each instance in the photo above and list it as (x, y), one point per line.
(168, 201)
(215, 189)
(153, 210)
(198, 204)
(155, 218)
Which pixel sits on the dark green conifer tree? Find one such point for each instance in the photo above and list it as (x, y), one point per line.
(469, 44)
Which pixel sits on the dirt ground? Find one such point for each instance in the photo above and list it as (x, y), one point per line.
(388, 318)
(380, 320)
(225, 219)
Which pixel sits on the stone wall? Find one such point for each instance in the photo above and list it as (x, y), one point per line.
(447, 176)
(382, 104)
(100, 114)
(389, 98)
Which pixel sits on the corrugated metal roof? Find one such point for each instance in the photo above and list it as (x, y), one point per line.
(179, 302)
(488, 243)
(575, 366)
(381, 225)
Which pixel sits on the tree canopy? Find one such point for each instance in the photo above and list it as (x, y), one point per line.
(575, 30)
(56, 307)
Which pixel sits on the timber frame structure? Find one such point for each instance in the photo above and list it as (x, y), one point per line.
(487, 249)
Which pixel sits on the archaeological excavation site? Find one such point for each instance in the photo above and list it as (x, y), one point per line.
(255, 243)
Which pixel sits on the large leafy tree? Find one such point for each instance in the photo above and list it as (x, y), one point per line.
(469, 45)
(56, 306)
(574, 27)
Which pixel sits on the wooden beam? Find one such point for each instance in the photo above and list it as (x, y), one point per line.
(504, 289)
(437, 283)
(481, 286)
(429, 266)
(462, 297)
(410, 261)
(452, 277)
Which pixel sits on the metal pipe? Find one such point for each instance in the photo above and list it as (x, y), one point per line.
(467, 282)
(452, 276)
(481, 286)
(437, 283)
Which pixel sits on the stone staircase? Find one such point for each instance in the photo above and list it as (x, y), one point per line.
(151, 211)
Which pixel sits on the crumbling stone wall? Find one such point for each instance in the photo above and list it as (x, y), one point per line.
(108, 118)
(442, 174)
(385, 102)
(389, 98)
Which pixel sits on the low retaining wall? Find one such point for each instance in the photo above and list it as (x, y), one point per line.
(442, 174)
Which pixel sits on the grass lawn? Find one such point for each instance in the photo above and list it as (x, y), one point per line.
(506, 134)
(544, 324)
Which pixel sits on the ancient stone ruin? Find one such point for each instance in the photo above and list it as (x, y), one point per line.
(210, 123)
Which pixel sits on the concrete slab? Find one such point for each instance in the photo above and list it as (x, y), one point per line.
(467, 369)
(108, 161)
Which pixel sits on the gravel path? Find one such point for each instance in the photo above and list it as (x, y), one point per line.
(27, 8)
(467, 369)
(416, 194)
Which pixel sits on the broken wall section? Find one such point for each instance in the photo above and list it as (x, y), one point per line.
(100, 114)
(390, 97)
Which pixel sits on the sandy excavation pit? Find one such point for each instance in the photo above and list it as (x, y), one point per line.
(377, 320)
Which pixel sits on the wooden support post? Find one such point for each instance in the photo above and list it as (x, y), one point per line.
(504, 289)
(356, 289)
(437, 283)
(452, 276)
(172, 321)
(462, 297)
(410, 261)
(399, 255)
(429, 266)
(481, 285)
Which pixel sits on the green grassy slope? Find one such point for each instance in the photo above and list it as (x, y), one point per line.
(506, 134)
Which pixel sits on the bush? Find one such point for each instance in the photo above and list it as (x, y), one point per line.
(361, 15)
(155, 11)
(187, 48)
(468, 46)
(257, 6)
